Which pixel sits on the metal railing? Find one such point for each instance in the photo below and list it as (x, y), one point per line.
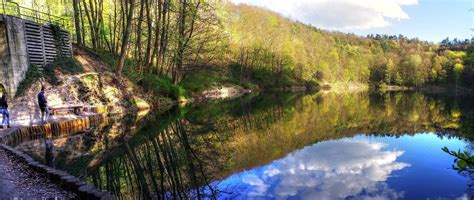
(14, 9)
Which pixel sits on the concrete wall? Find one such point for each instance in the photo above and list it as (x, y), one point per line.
(13, 54)
(22, 43)
(4, 54)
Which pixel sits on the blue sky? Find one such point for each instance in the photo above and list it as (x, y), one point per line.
(431, 20)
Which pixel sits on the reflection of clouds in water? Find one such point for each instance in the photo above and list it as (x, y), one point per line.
(327, 170)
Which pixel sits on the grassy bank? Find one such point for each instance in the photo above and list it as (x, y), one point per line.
(161, 88)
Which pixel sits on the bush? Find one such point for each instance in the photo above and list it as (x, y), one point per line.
(267, 78)
(64, 64)
(32, 75)
(205, 79)
(162, 86)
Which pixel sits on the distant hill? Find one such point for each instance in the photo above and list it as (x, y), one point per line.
(264, 40)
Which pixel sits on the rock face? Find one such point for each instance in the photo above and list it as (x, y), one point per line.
(22, 43)
(13, 54)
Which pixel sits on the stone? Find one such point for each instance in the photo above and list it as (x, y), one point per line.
(15, 58)
(13, 54)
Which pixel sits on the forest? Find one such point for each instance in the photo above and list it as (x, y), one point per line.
(185, 46)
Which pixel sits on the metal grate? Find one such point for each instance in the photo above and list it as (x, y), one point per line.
(41, 45)
(13, 9)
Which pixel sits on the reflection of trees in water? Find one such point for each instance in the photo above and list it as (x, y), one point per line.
(72, 153)
(255, 113)
(178, 154)
(162, 166)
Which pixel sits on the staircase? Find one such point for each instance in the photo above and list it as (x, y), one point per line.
(40, 44)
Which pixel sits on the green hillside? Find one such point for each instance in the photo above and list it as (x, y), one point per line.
(264, 40)
(221, 43)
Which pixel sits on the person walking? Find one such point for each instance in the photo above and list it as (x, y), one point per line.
(43, 104)
(4, 111)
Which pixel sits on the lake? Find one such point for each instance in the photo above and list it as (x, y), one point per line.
(277, 146)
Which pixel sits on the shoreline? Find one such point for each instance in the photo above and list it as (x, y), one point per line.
(429, 89)
(71, 124)
(63, 126)
(59, 177)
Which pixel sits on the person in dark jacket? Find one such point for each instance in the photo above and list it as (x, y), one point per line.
(4, 110)
(43, 104)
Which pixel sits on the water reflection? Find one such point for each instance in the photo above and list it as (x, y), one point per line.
(327, 170)
(201, 151)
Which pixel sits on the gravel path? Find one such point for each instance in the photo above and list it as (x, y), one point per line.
(17, 181)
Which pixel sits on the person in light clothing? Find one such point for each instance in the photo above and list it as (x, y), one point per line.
(4, 111)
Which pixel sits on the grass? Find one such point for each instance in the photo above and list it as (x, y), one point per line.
(162, 86)
(265, 78)
(201, 80)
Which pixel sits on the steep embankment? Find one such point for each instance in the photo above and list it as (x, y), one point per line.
(94, 86)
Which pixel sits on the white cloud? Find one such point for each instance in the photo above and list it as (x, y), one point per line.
(339, 14)
(327, 170)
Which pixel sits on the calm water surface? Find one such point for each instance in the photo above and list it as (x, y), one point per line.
(285, 146)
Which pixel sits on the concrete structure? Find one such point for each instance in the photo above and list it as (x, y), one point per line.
(23, 43)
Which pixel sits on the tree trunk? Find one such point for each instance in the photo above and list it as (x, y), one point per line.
(149, 36)
(182, 35)
(89, 19)
(139, 35)
(125, 40)
(77, 25)
(83, 30)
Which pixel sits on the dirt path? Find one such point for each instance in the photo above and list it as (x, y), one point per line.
(19, 182)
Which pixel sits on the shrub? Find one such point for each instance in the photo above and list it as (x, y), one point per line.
(32, 75)
(163, 86)
(204, 79)
(64, 64)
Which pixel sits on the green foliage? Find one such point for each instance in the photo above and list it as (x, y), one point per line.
(111, 60)
(64, 64)
(398, 79)
(204, 79)
(272, 51)
(305, 51)
(264, 77)
(467, 76)
(261, 37)
(159, 86)
(58, 39)
(32, 75)
(162, 86)
(463, 162)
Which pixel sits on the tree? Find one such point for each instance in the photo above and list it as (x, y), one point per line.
(126, 38)
(77, 26)
(398, 79)
(390, 67)
(186, 20)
